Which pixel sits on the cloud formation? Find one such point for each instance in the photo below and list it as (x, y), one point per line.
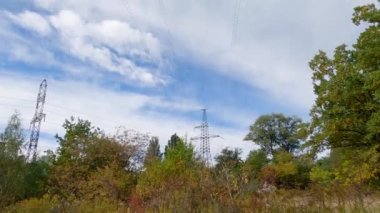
(110, 44)
(265, 44)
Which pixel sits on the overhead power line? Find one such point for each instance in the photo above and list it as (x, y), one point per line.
(48, 108)
(235, 23)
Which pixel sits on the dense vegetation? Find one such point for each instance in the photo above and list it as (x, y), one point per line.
(95, 172)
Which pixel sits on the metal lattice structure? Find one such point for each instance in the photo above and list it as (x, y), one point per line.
(204, 139)
(35, 124)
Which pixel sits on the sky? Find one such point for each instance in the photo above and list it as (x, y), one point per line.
(152, 65)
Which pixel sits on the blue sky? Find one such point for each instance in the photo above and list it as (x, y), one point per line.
(151, 65)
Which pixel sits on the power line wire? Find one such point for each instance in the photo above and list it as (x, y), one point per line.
(76, 113)
(235, 22)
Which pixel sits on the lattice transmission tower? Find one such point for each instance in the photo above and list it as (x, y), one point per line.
(35, 124)
(204, 139)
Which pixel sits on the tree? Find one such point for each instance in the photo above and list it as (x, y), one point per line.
(78, 137)
(229, 160)
(228, 167)
(276, 132)
(172, 143)
(12, 138)
(172, 180)
(255, 161)
(36, 176)
(84, 154)
(153, 152)
(346, 112)
(178, 150)
(286, 169)
(12, 164)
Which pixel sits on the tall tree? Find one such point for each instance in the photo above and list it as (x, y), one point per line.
(346, 113)
(12, 138)
(228, 167)
(12, 164)
(174, 141)
(37, 175)
(173, 179)
(277, 132)
(153, 152)
(229, 160)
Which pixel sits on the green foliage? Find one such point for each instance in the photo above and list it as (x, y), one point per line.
(171, 180)
(153, 152)
(284, 164)
(85, 157)
(276, 132)
(286, 169)
(320, 176)
(172, 143)
(229, 160)
(76, 140)
(12, 164)
(255, 161)
(12, 138)
(178, 151)
(32, 205)
(36, 177)
(346, 113)
(229, 172)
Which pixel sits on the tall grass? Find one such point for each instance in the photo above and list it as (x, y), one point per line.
(315, 199)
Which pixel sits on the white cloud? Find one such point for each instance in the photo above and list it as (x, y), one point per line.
(109, 44)
(45, 3)
(32, 21)
(95, 42)
(18, 48)
(125, 39)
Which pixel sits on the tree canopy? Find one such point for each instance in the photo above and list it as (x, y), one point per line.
(346, 113)
(276, 132)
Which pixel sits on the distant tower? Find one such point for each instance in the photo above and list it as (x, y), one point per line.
(35, 124)
(204, 139)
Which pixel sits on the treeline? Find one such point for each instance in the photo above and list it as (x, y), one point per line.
(95, 172)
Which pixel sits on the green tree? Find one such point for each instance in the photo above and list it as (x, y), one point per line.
(229, 160)
(346, 113)
(12, 138)
(286, 169)
(172, 181)
(172, 143)
(74, 144)
(255, 161)
(153, 152)
(228, 168)
(277, 132)
(36, 176)
(84, 154)
(12, 163)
